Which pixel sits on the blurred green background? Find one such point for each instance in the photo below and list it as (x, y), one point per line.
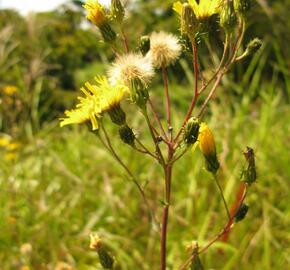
(59, 185)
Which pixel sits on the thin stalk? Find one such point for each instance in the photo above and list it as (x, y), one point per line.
(119, 160)
(145, 149)
(157, 118)
(166, 92)
(195, 95)
(226, 46)
(224, 231)
(222, 195)
(165, 215)
(212, 92)
(124, 38)
(161, 158)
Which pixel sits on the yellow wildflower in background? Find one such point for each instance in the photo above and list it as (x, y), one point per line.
(208, 148)
(25, 267)
(202, 10)
(4, 142)
(10, 90)
(95, 242)
(96, 12)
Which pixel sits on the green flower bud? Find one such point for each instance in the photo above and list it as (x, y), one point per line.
(139, 93)
(241, 213)
(117, 11)
(107, 32)
(242, 6)
(106, 260)
(196, 263)
(189, 23)
(127, 135)
(228, 17)
(249, 174)
(117, 115)
(144, 46)
(253, 46)
(191, 131)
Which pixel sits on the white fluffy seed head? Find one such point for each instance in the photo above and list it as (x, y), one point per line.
(130, 67)
(164, 49)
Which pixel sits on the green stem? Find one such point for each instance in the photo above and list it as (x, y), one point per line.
(118, 159)
(222, 195)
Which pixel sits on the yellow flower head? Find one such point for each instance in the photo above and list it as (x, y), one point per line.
(10, 90)
(99, 98)
(206, 140)
(86, 111)
(208, 148)
(96, 12)
(202, 10)
(95, 241)
(4, 141)
(110, 96)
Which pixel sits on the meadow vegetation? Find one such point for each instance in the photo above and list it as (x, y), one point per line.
(59, 185)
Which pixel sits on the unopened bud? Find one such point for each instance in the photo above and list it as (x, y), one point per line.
(249, 174)
(139, 93)
(228, 17)
(144, 46)
(189, 23)
(243, 6)
(117, 115)
(107, 32)
(106, 260)
(241, 213)
(196, 263)
(253, 46)
(127, 135)
(117, 10)
(190, 132)
(208, 148)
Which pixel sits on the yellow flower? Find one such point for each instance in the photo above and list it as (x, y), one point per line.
(96, 12)
(25, 267)
(99, 98)
(95, 241)
(10, 90)
(202, 10)
(84, 113)
(111, 95)
(10, 156)
(206, 140)
(4, 142)
(12, 146)
(208, 148)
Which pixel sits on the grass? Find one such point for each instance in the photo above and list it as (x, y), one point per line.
(64, 185)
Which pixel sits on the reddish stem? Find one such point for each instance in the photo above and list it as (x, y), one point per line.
(157, 118)
(163, 236)
(233, 211)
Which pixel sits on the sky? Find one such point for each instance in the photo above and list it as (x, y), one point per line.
(25, 6)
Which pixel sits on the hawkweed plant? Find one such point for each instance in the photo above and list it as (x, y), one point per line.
(128, 80)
